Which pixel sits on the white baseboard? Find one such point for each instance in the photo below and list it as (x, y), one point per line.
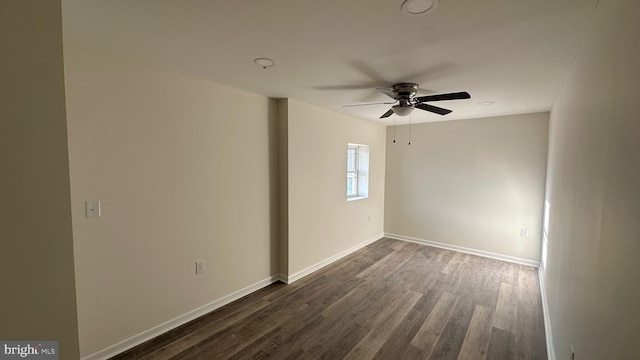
(300, 274)
(160, 329)
(280, 277)
(467, 250)
(551, 353)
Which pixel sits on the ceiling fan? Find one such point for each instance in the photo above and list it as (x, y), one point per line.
(405, 100)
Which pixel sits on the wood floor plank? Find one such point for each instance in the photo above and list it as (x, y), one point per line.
(490, 289)
(386, 266)
(432, 294)
(383, 326)
(452, 338)
(285, 340)
(380, 306)
(354, 317)
(411, 247)
(343, 335)
(196, 336)
(454, 264)
(344, 268)
(529, 285)
(510, 273)
(411, 353)
(400, 245)
(501, 345)
(439, 255)
(529, 328)
(407, 272)
(316, 298)
(191, 332)
(352, 301)
(335, 290)
(241, 334)
(467, 280)
(396, 344)
(505, 318)
(476, 341)
(430, 332)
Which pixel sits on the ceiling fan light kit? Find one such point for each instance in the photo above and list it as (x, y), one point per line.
(418, 7)
(401, 110)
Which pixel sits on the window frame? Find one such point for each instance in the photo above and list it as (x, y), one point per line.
(360, 172)
(352, 150)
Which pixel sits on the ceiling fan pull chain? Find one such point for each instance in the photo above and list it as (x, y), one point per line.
(410, 117)
(394, 128)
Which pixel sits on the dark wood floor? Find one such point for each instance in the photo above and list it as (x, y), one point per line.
(389, 300)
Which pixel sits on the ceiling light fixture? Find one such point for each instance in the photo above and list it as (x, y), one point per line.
(486, 103)
(264, 62)
(418, 7)
(402, 110)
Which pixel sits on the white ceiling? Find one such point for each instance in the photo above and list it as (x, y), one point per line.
(335, 52)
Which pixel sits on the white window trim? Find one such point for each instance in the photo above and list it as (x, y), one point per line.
(355, 171)
(354, 198)
(362, 172)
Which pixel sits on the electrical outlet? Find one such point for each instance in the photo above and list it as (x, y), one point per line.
(524, 232)
(199, 267)
(573, 354)
(92, 208)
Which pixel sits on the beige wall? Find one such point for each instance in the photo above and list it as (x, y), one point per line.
(36, 262)
(185, 170)
(593, 190)
(322, 223)
(470, 183)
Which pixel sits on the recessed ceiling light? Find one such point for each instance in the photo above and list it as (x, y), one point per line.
(418, 7)
(487, 103)
(264, 62)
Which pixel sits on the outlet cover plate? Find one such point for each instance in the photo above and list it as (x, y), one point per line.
(92, 208)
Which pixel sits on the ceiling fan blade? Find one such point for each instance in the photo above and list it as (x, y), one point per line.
(378, 103)
(429, 74)
(387, 114)
(344, 87)
(368, 71)
(440, 97)
(433, 109)
(425, 92)
(388, 92)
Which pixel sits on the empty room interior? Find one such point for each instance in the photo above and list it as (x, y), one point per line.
(287, 179)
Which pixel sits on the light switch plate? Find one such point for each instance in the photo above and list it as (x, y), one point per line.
(199, 266)
(92, 208)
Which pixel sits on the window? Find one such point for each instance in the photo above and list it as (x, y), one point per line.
(357, 171)
(352, 171)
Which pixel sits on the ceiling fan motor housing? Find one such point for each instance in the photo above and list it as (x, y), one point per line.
(404, 93)
(405, 90)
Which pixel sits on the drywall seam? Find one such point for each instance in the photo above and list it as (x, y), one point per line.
(487, 254)
(160, 329)
(302, 273)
